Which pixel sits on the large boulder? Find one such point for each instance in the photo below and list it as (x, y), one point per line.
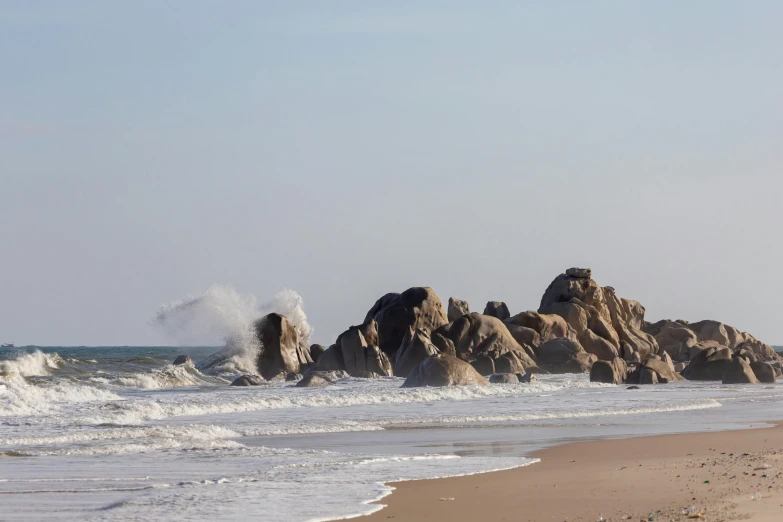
(548, 326)
(497, 309)
(738, 371)
(316, 351)
(609, 372)
(564, 356)
(395, 314)
(504, 378)
(457, 308)
(477, 335)
(353, 354)
(246, 380)
(655, 370)
(764, 371)
(443, 370)
(280, 350)
(319, 379)
(416, 346)
(708, 365)
(182, 360)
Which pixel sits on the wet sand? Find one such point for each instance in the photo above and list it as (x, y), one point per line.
(728, 475)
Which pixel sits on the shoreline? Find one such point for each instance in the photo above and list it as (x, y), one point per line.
(724, 475)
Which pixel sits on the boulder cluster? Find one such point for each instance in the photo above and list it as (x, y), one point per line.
(579, 327)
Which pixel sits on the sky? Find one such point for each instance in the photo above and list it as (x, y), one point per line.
(347, 149)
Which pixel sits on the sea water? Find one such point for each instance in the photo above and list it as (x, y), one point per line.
(118, 433)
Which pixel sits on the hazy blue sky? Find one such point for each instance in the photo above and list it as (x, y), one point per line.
(347, 149)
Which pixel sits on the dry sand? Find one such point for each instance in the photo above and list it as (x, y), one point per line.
(720, 474)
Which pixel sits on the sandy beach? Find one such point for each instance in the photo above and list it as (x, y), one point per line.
(714, 476)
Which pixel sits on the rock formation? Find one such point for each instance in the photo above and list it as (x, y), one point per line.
(395, 314)
(280, 351)
(354, 354)
(457, 308)
(416, 346)
(497, 309)
(443, 370)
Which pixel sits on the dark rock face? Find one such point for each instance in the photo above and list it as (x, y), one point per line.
(182, 359)
(564, 356)
(395, 314)
(416, 346)
(526, 378)
(654, 370)
(764, 371)
(738, 371)
(280, 348)
(443, 370)
(609, 372)
(318, 379)
(497, 309)
(353, 354)
(504, 378)
(457, 308)
(247, 380)
(708, 365)
(316, 350)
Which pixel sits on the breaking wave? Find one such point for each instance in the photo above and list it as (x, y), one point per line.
(223, 315)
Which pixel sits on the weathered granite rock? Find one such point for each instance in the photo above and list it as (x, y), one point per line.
(738, 371)
(526, 378)
(763, 371)
(182, 359)
(353, 354)
(246, 380)
(564, 356)
(316, 351)
(548, 326)
(280, 349)
(395, 314)
(443, 370)
(457, 308)
(708, 365)
(609, 372)
(580, 273)
(504, 378)
(293, 377)
(497, 309)
(475, 335)
(416, 346)
(654, 370)
(317, 379)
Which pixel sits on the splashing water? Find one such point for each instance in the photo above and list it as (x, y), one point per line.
(221, 314)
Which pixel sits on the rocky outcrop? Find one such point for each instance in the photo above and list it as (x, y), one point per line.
(564, 356)
(683, 340)
(457, 308)
(738, 371)
(497, 309)
(395, 314)
(353, 354)
(416, 346)
(319, 379)
(443, 370)
(476, 337)
(654, 370)
(708, 365)
(609, 372)
(763, 371)
(246, 380)
(316, 350)
(182, 359)
(547, 326)
(605, 325)
(280, 351)
(504, 378)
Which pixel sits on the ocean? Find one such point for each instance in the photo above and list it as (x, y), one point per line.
(118, 433)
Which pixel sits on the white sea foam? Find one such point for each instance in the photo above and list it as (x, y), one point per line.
(18, 397)
(31, 364)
